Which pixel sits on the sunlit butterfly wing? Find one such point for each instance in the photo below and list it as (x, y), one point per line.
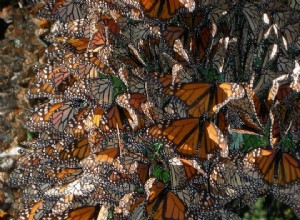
(275, 166)
(84, 213)
(165, 9)
(191, 133)
(202, 97)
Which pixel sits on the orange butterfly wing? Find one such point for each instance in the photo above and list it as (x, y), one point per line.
(172, 33)
(202, 97)
(212, 139)
(185, 134)
(173, 207)
(289, 169)
(34, 208)
(195, 95)
(81, 150)
(226, 92)
(85, 213)
(114, 118)
(163, 9)
(79, 44)
(108, 155)
(274, 165)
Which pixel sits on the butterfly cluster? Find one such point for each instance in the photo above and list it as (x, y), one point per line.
(140, 102)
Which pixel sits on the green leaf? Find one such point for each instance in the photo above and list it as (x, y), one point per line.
(119, 86)
(165, 176)
(157, 171)
(287, 143)
(253, 141)
(161, 174)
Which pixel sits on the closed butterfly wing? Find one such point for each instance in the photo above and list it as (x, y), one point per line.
(79, 150)
(70, 10)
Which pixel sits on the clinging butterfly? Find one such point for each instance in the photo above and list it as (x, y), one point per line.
(165, 9)
(192, 136)
(202, 97)
(275, 165)
(162, 203)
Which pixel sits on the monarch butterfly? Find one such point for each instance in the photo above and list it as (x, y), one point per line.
(150, 49)
(36, 211)
(132, 103)
(182, 170)
(107, 155)
(63, 175)
(253, 16)
(172, 33)
(81, 44)
(189, 134)
(284, 117)
(93, 58)
(135, 32)
(290, 33)
(42, 90)
(181, 55)
(54, 81)
(134, 164)
(115, 117)
(200, 40)
(83, 213)
(218, 54)
(101, 89)
(76, 126)
(59, 75)
(80, 28)
(70, 10)
(96, 118)
(134, 83)
(194, 39)
(285, 64)
(275, 166)
(36, 118)
(60, 113)
(162, 203)
(87, 71)
(221, 120)
(116, 176)
(198, 199)
(66, 83)
(225, 175)
(165, 9)
(203, 97)
(173, 108)
(78, 187)
(48, 73)
(79, 150)
(112, 23)
(153, 113)
(252, 112)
